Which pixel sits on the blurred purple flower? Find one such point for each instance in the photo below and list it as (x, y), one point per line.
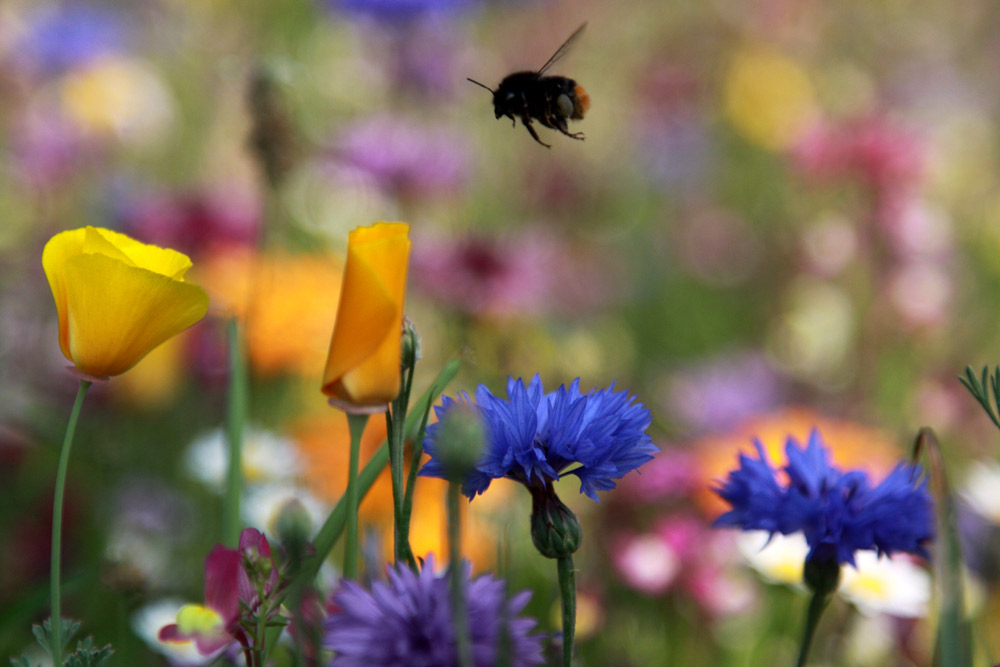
(69, 34)
(400, 10)
(422, 60)
(405, 159)
(151, 506)
(671, 135)
(46, 148)
(717, 394)
(408, 621)
(192, 222)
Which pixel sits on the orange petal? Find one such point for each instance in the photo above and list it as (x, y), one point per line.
(363, 365)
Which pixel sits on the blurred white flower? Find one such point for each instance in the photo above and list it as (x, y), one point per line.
(895, 586)
(146, 623)
(262, 505)
(267, 457)
(779, 558)
(980, 489)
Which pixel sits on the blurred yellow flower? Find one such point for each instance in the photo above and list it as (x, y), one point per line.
(277, 295)
(119, 97)
(117, 298)
(362, 369)
(768, 98)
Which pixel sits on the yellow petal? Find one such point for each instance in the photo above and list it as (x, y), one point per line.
(60, 248)
(363, 365)
(195, 619)
(113, 244)
(117, 313)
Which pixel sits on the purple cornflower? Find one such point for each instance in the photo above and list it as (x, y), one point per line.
(408, 621)
(535, 438)
(838, 512)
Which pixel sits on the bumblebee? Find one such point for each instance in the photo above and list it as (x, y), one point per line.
(551, 100)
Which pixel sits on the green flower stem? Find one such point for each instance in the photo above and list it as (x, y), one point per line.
(356, 425)
(567, 589)
(329, 533)
(416, 451)
(56, 642)
(817, 605)
(457, 588)
(236, 412)
(395, 421)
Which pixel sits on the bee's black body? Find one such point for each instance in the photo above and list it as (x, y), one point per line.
(551, 100)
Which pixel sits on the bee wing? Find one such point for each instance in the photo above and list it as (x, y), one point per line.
(563, 50)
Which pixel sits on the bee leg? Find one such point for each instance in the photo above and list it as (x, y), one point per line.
(531, 130)
(560, 124)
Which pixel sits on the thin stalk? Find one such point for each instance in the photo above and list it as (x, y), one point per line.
(459, 616)
(818, 603)
(396, 433)
(417, 449)
(236, 411)
(567, 590)
(56, 640)
(356, 426)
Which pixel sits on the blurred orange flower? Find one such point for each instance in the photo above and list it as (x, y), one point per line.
(323, 441)
(362, 369)
(117, 298)
(852, 445)
(283, 298)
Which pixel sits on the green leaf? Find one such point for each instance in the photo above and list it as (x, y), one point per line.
(20, 661)
(954, 633)
(43, 633)
(88, 655)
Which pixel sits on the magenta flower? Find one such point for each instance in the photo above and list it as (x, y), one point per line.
(216, 624)
(480, 276)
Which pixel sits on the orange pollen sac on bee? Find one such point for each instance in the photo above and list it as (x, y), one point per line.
(582, 102)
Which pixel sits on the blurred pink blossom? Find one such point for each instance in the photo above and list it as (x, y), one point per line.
(494, 277)
(878, 152)
(193, 222)
(646, 562)
(672, 474)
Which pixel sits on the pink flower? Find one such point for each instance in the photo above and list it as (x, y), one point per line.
(217, 623)
(480, 276)
(646, 562)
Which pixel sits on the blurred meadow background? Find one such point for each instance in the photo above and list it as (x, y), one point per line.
(785, 215)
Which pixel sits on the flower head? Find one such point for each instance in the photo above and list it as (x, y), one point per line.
(408, 620)
(117, 298)
(534, 437)
(362, 369)
(228, 584)
(838, 512)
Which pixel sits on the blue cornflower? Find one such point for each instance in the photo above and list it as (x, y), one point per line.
(535, 438)
(838, 512)
(408, 621)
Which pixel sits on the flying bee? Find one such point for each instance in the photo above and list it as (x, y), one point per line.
(551, 100)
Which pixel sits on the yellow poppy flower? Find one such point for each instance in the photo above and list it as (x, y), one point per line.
(362, 369)
(117, 298)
